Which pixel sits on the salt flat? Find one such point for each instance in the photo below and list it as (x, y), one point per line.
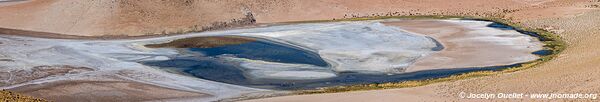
(358, 46)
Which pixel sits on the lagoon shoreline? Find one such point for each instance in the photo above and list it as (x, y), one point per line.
(171, 37)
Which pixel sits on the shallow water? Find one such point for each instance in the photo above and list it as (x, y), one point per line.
(212, 64)
(543, 52)
(305, 56)
(266, 51)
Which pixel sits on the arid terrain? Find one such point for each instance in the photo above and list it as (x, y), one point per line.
(143, 17)
(576, 70)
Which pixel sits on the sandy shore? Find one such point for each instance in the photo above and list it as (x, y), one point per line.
(118, 90)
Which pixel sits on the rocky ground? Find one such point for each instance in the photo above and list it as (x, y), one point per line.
(143, 17)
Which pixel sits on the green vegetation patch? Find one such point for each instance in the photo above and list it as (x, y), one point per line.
(204, 42)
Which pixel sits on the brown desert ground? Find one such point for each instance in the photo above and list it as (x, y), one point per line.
(104, 91)
(575, 70)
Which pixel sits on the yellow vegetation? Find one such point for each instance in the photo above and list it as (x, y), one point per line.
(7, 96)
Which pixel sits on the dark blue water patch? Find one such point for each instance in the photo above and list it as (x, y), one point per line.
(345, 79)
(503, 26)
(543, 52)
(533, 34)
(204, 68)
(231, 73)
(210, 65)
(266, 51)
(500, 26)
(438, 45)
